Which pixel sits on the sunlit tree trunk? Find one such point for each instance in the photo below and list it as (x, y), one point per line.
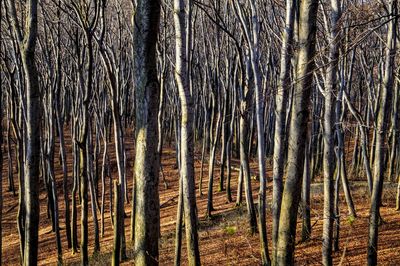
(118, 223)
(281, 96)
(146, 172)
(382, 120)
(186, 137)
(27, 37)
(305, 197)
(329, 130)
(297, 133)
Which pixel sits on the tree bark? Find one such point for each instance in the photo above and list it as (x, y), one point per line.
(186, 137)
(1, 160)
(297, 133)
(305, 197)
(118, 223)
(146, 172)
(280, 118)
(382, 120)
(27, 44)
(329, 129)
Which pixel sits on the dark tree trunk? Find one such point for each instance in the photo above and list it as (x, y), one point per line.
(146, 172)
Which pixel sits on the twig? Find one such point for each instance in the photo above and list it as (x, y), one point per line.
(169, 200)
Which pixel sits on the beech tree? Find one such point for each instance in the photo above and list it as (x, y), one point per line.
(297, 132)
(384, 102)
(329, 128)
(281, 100)
(186, 138)
(147, 90)
(26, 37)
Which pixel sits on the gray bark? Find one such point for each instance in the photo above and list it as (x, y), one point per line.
(297, 133)
(146, 172)
(280, 118)
(329, 129)
(186, 136)
(382, 120)
(27, 43)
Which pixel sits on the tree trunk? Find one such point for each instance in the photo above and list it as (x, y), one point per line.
(178, 227)
(146, 172)
(329, 130)
(230, 143)
(103, 183)
(297, 133)
(186, 137)
(84, 204)
(336, 229)
(246, 176)
(214, 143)
(305, 196)
(92, 190)
(382, 120)
(394, 132)
(255, 58)
(280, 117)
(1, 161)
(75, 176)
(33, 116)
(118, 223)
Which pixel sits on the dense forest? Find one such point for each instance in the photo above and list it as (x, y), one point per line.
(232, 132)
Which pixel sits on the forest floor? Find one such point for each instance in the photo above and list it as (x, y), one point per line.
(225, 239)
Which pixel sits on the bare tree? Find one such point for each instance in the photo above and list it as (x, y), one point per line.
(186, 137)
(297, 132)
(381, 131)
(26, 38)
(281, 96)
(147, 89)
(329, 129)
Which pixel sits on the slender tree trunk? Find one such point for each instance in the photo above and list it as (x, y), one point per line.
(213, 151)
(103, 184)
(382, 120)
(394, 132)
(65, 175)
(336, 229)
(21, 197)
(364, 140)
(160, 118)
(1, 160)
(255, 58)
(297, 133)
(329, 129)
(224, 140)
(280, 117)
(246, 176)
(92, 190)
(178, 227)
(117, 223)
(341, 162)
(11, 186)
(83, 186)
(186, 137)
(239, 192)
(74, 213)
(305, 195)
(230, 144)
